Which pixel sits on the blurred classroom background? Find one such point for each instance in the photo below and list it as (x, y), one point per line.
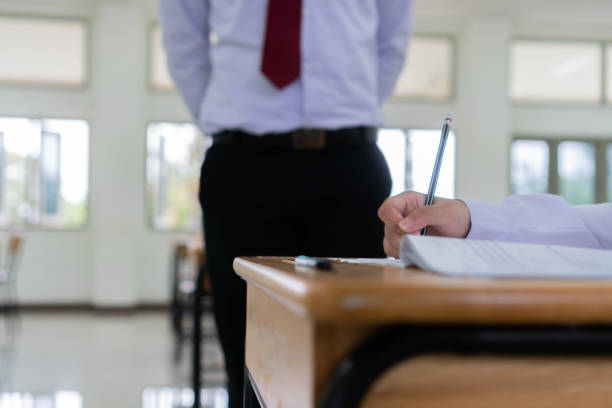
(99, 168)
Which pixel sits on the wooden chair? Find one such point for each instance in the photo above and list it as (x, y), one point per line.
(192, 297)
(8, 275)
(187, 261)
(203, 304)
(9, 307)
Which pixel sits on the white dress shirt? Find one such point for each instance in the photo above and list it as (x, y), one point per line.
(543, 219)
(352, 52)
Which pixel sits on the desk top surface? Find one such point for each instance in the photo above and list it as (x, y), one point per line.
(375, 293)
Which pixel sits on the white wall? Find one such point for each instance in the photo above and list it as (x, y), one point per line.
(118, 260)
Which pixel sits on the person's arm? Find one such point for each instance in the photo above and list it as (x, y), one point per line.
(186, 31)
(394, 25)
(534, 218)
(537, 218)
(598, 220)
(406, 214)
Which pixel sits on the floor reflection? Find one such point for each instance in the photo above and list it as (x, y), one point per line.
(9, 323)
(151, 398)
(59, 399)
(93, 360)
(173, 397)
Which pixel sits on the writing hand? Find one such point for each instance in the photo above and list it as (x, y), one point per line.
(406, 214)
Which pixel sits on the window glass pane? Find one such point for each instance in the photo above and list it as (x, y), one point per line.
(422, 148)
(529, 166)
(427, 73)
(609, 73)
(160, 76)
(555, 71)
(609, 160)
(49, 172)
(73, 162)
(46, 172)
(174, 156)
(22, 148)
(2, 166)
(392, 143)
(577, 172)
(30, 51)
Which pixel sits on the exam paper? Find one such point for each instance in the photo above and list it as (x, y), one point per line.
(460, 257)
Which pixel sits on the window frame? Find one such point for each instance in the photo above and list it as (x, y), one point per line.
(87, 56)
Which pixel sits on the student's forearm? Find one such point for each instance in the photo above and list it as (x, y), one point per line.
(536, 218)
(598, 219)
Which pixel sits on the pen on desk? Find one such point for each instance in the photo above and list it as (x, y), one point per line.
(431, 193)
(310, 262)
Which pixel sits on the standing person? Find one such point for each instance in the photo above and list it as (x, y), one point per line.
(291, 93)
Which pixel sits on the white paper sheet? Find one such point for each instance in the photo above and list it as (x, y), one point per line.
(459, 257)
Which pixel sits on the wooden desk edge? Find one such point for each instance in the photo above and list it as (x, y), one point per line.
(290, 291)
(545, 304)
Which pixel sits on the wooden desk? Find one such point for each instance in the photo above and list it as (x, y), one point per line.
(374, 336)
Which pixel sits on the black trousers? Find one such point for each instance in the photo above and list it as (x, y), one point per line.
(260, 200)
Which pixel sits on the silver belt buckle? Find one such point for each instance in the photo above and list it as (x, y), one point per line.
(308, 139)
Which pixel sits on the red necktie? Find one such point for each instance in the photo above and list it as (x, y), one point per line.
(281, 54)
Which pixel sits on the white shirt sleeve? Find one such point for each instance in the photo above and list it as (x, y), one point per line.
(543, 219)
(598, 220)
(186, 31)
(395, 19)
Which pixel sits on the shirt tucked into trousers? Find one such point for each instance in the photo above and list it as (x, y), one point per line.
(269, 199)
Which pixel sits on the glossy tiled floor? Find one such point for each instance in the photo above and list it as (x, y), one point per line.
(89, 360)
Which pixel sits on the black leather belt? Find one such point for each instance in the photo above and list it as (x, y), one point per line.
(301, 139)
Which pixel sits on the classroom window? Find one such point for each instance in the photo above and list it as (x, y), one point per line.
(44, 174)
(392, 143)
(555, 71)
(427, 74)
(174, 155)
(609, 172)
(609, 73)
(411, 154)
(579, 170)
(36, 58)
(423, 146)
(2, 166)
(159, 76)
(529, 164)
(49, 172)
